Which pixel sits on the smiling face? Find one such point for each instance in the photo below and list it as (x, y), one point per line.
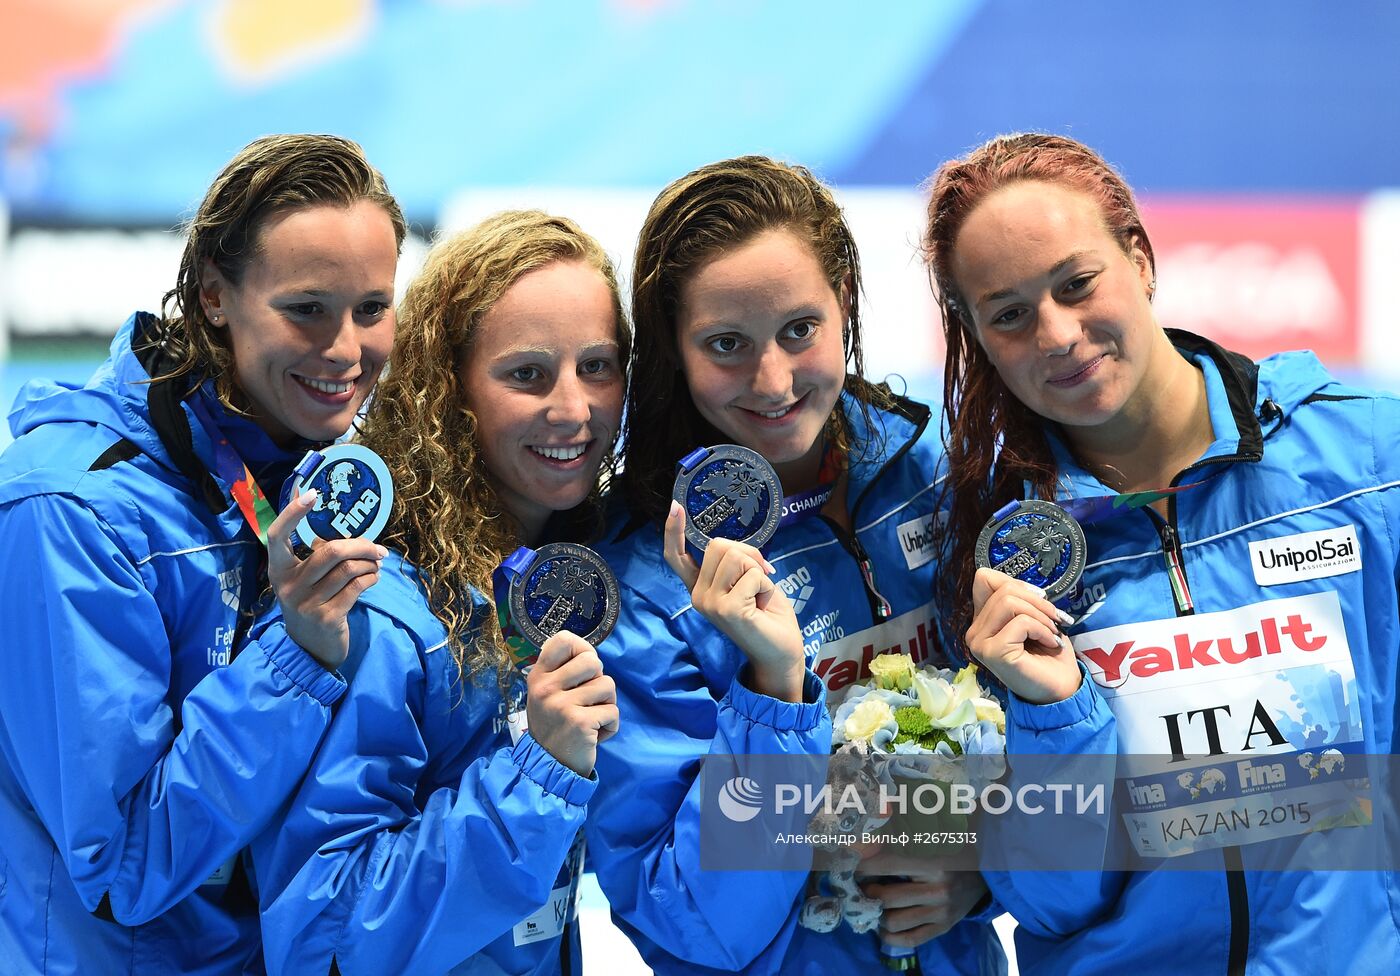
(759, 331)
(311, 321)
(544, 379)
(1061, 310)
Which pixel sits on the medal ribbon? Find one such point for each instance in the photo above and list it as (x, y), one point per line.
(1097, 508)
(803, 504)
(256, 509)
(522, 652)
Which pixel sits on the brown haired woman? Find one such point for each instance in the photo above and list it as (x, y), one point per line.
(1061, 386)
(425, 839)
(746, 301)
(146, 737)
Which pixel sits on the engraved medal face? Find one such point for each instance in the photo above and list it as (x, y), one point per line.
(731, 493)
(356, 496)
(1039, 543)
(566, 587)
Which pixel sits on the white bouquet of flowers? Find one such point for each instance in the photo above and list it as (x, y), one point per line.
(907, 723)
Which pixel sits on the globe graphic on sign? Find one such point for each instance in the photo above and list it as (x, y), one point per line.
(336, 515)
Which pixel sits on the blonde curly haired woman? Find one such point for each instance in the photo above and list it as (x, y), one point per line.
(425, 839)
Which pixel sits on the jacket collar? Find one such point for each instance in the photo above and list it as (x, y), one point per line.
(1232, 390)
(170, 418)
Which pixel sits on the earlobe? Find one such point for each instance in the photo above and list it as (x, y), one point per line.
(211, 291)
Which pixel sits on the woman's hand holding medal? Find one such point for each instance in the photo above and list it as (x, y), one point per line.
(571, 705)
(732, 589)
(1015, 632)
(316, 593)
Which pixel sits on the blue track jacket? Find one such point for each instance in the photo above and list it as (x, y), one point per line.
(1297, 458)
(422, 841)
(140, 748)
(678, 689)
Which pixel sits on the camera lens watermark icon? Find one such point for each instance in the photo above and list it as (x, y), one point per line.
(740, 799)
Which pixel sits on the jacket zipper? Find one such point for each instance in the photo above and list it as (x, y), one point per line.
(880, 608)
(1236, 892)
(1176, 572)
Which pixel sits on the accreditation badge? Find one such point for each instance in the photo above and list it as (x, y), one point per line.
(1234, 726)
(1037, 542)
(728, 492)
(356, 495)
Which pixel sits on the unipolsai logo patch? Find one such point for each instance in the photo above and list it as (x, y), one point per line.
(1305, 556)
(916, 539)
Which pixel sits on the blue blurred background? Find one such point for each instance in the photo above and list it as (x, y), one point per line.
(1263, 138)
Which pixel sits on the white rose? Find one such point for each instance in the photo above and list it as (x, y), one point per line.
(868, 719)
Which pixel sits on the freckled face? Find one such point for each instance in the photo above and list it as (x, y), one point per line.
(760, 335)
(544, 380)
(1062, 312)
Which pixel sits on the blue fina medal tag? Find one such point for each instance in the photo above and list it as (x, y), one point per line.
(356, 495)
(1035, 541)
(565, 587)
(728, 492)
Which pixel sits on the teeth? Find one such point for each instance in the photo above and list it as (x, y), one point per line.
(773, 415)
(561, 453)
(326, 386)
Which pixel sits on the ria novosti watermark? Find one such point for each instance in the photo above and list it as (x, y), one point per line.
(1295, 810)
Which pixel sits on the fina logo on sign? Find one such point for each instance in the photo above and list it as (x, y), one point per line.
(348, 500)
(355, 493)
(740, 799)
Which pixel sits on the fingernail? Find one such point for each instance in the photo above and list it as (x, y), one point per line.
(1064, 618)
(1039, 590)
(382, 551)
(769, 567)
(675, 509)
(311, 495)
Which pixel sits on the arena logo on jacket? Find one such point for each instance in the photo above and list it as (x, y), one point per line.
(845, 661)
(1234, 726)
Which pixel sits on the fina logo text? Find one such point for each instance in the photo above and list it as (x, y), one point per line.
(347, 522)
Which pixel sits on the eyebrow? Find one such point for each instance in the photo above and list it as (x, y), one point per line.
(548, 353)
(323, 293)
(801, 311)
(994, 296)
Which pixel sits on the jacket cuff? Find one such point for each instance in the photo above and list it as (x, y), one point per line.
(1056, 715)
(803, 716)
(550, 774)
(301, 669)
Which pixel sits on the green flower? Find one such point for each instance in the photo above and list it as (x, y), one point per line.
(913, 723)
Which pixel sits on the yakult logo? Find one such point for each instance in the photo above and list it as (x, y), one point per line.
(1189, 649)
(1262, 637)
(1305, 556)
(841, 663)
